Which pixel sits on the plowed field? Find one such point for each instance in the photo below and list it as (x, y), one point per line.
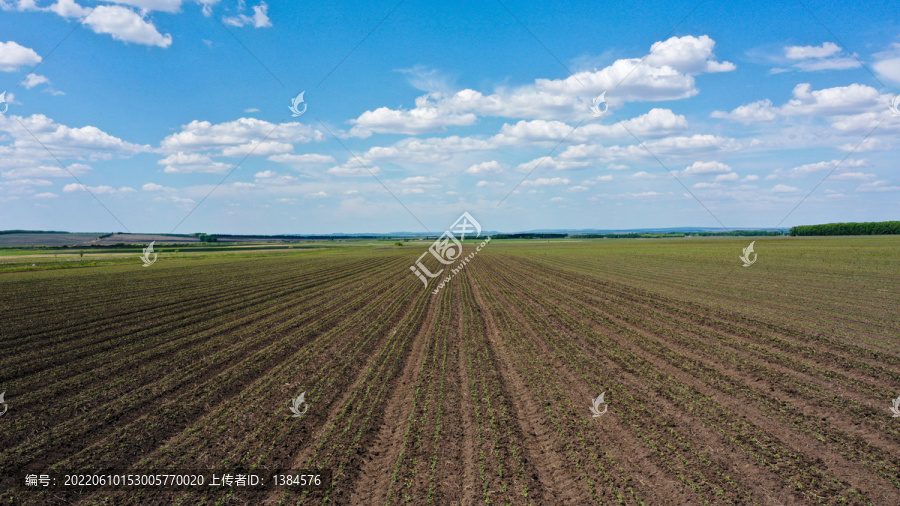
(768, 384)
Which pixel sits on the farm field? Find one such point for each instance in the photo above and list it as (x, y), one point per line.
(767, 384)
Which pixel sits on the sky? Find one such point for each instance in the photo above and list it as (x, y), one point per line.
(174, 116)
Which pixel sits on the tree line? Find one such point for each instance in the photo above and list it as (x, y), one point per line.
(865, 228)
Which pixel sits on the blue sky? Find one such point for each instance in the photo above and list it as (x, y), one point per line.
(171, 115)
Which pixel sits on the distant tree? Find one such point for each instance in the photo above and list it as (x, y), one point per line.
(398, 243)
(81, 253)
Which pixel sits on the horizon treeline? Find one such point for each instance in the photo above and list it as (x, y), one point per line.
(864, 228)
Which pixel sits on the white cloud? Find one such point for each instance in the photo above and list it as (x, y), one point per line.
(418, 180)
(489, 183)
(811, 168)
(665, 74)
(186, 163)
(761, 110)
(803, 52)
(491, 167)
(316, 195)
(888, 68)
(170, 6)
(305, 158)
(153, 187)
(98, 190)
(854, 175)
(259, 19)
(63, 141)
(32, 80)
(850, 99)
(578, 188)
(423, 119)
(824, 57)
(207, 6)
(867, 144)
(782, 188)
(75, 169)
(270, 177)
(837, 101)
(596, 179)
(543, 181)
(203, 135)
(877, 186)
(352, 168)
(126, 25)
(46, 195)
(265, 148)
(68, 9)
(654, 124)
(679, 146)
(711, 167)
(13, 56)
(732, 176)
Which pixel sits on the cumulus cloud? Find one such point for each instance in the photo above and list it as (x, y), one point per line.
(355, 168)
(153, 187)
(265, 148)
(32, 80)
(126, 25)
(677, 146)
(489, 183)
(419, 180)
(98, 190)
(88, 142)
(187, 163)
(761, 110)
(13, 56)
(824, 57)
(655, 123)
(711, 167)
(491, 167)
(238, 134)
(666, 73)
(828, 102)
